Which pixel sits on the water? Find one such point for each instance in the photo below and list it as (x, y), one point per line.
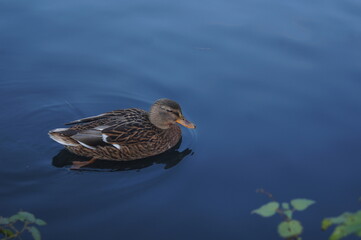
(274, 88)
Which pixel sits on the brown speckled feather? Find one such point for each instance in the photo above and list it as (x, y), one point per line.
(118, 135)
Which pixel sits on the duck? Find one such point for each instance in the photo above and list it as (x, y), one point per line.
(124, 135)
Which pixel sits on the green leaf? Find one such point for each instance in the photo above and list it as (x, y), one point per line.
(326, 223)
(301, 204)
(15, 218)
(288, 213)
(347, 223)
(290, 229)
(40, 222)
(267, 210)
(27, 216)
(35, 233)
(340, 232)
(6, 232)
(4, 220)
(285, 206)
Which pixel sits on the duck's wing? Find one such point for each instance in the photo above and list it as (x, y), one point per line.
(130, 133)
(115, 113)
(116, 128)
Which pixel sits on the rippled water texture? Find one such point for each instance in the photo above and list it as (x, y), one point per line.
(273, 86)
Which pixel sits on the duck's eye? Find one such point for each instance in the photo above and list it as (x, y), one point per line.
(174, 112)
(171, 111)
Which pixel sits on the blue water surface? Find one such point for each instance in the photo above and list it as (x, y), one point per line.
(273, 86)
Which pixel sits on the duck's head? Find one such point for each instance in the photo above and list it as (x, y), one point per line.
(165, 112)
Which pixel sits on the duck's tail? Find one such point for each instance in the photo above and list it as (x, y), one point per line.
(62, 136)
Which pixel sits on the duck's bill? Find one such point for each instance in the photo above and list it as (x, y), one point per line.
(186, 123)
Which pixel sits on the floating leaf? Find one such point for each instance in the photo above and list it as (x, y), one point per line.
(35, 233)
(348, 223)
(327, 222)
(288, 213)
(285, 206)
(267, 210)
(27, 216)
(301, 204)
(342, 231)
(6, 232)
(40, 222)
(289, 229)
(4, 220)
(15, 218)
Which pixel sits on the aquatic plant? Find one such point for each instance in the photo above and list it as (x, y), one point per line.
(289, 228)
(346, 224)
(13, 227)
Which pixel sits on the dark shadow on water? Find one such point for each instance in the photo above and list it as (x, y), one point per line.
(169, 158)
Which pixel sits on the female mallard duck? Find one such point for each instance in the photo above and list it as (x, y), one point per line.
(124, 135)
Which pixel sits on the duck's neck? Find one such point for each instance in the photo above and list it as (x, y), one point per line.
(155, 119)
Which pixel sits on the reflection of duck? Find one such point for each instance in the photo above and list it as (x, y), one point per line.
(169, 158)
(124, 135)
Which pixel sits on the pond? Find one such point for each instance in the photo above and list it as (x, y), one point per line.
(273, 87)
